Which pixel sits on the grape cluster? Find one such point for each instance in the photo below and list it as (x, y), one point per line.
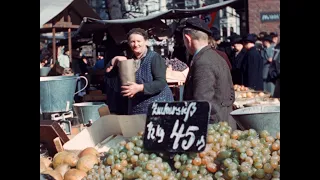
(237, 155)
(99, 172)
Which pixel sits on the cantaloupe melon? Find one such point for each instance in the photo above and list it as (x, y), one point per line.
(74, 174)
(89, 150)
(87, 162)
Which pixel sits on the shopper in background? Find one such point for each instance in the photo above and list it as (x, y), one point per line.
(274, 70)
(237, 58)
(275, 38)
(267, 55)
(252, 64)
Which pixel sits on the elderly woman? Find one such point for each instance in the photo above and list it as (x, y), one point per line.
(150, 85)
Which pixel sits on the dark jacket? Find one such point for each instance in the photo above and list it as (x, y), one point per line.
(274, 70)
(209, 79)
(236, 62)
(78, 66)
(252, 67)
(224, 56)
(225, 47)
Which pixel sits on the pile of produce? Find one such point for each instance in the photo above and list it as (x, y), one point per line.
(69, 166)
(240, 88)
(250, 95)
(244, 92)
(242, 155)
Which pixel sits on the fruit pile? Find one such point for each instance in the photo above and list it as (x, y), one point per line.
(228, 155)
(69, 166)
(240, 87)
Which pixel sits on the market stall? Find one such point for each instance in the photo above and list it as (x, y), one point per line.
(62, 16)
(172, 141)
(145, 147)
(58, 16)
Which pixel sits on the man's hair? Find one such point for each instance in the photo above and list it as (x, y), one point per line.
(195, 34)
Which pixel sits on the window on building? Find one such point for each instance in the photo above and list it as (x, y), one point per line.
(180, 4)
(224, 13)
(224, 31)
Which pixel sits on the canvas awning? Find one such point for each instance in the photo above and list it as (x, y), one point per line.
(53, 10)
(118, 27)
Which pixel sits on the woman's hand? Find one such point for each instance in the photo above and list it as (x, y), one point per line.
(114, 62)
(131, 89)
(85, 60)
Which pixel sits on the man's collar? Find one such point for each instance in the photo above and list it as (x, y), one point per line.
(198, 50)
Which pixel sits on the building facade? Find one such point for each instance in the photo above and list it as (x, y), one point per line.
(264, 15)
(229, 22)
(99, 6)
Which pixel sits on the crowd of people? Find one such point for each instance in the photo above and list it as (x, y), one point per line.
(254, 60)
(78, 65)
(208, 66)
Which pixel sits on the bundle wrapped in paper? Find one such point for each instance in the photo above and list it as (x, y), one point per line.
(127, 71)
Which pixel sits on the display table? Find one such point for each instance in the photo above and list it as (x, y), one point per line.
(177, 88)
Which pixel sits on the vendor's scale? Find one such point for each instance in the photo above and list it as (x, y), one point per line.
(62, 118)
(65, 124)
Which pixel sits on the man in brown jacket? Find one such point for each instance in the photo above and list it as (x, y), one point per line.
(209, 77)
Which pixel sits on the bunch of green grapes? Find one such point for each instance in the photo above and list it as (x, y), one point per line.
(130, 161)
(234, 155)
(190, 166)
(237, 155)
(98, 172)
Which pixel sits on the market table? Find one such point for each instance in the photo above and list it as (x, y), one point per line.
(177, 88)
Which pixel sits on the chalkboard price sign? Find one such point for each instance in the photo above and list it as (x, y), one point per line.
(177, 126)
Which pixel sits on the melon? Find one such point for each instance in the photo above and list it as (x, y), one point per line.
(87, 162)
(65, 157)
(71, 159)
(62, 169)
(59, 158)
(74, 174)
(89, 150)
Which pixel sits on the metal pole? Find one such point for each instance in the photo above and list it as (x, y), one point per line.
(69, 40)
(54, 48)
(94, 52)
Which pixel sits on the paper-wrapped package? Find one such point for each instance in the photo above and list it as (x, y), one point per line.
(127, 71)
